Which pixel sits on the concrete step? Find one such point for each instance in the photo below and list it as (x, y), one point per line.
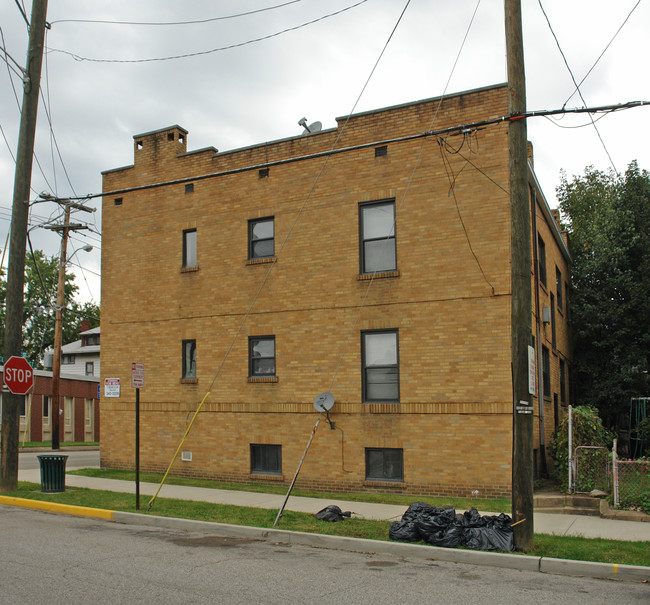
(570, 510)
(560, 500)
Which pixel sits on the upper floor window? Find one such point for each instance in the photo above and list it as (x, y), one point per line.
(377, 235)
(558, 288)
(261, 356)
(541, 259)
(67, 359)
(189, 248)
(380, 361)
(189, 359)
(90, 368)
(90, 340)
(261, 238)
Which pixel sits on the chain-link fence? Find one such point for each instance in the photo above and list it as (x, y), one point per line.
(632, 484)
(592, 469)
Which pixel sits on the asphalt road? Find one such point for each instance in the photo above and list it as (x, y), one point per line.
(76, 459)
(60, 559)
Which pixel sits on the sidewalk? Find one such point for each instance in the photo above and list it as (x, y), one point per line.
(545, 523)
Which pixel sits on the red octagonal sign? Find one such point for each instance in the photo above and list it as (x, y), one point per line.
(18, 375)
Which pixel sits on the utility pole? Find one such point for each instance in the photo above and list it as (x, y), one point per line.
(19, 216)
(58, 312)
(521, 305)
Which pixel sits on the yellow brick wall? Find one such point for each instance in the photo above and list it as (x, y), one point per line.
(449, 301)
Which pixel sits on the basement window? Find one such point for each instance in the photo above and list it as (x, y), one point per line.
(266, 459)
(384, 464)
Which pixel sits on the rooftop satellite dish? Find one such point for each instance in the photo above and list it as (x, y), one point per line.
(315, 127)
(324, 402)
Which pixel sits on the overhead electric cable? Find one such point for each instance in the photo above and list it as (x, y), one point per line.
(213, 50)
(22, 12)
(168, 23)
(557, 42)
(429, 133)
(618, 31)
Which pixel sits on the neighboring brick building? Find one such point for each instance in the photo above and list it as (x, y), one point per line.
(79, 409)
(270, 274)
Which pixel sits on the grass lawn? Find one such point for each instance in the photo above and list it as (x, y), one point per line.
(561, 547)
(499, 505)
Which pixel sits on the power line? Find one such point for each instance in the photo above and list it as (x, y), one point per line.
(557, 42)
(167, 23)
(604, 51)
(21, 8)
(429, 133)
(213, 50)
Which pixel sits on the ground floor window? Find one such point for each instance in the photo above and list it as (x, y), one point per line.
(384, 464)
(266, 459)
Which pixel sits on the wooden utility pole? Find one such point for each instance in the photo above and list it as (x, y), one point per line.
(58, 313)
(521, 306)
(19, 215)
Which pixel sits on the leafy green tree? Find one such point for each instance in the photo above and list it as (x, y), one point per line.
(608, 219)
(41, 279)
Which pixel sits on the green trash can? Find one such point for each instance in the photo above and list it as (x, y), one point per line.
(52, 473)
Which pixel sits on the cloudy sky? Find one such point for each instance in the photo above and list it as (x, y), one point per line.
(246, 79)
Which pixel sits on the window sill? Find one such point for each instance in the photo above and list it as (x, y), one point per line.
(261, 261)
(189, 381)
(266, 477)
(189, 269)
(262, 379)
(377, 483)
(377, 275)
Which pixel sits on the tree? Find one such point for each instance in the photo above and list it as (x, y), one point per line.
(41, 278)
(609, 239)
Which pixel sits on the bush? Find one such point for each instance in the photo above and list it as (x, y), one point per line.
(588, 429)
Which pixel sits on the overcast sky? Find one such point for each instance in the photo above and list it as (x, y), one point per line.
(257, 92)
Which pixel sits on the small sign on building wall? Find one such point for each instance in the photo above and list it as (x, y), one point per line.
(532, 371)
(111, 387)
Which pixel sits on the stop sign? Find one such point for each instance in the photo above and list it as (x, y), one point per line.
(18, 375)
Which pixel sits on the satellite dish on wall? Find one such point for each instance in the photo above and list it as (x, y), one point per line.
(324, 402)
(312, 128)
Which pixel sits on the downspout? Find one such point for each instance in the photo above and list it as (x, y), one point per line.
(538, 335)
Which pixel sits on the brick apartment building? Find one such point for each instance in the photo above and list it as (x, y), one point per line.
(368, 260)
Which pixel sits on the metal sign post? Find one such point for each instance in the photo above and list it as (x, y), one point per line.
(137, 382)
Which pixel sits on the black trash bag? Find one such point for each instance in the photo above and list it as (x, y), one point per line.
(440, 527)
(495, 534)
(332, 513)
(443, 527)
(404, 531)
(418, 508)
(472, 518)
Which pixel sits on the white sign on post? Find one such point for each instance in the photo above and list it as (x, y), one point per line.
(111, 387)
(532, 371)
(137, 375)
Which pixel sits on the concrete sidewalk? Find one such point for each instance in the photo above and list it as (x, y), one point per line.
(545, 523)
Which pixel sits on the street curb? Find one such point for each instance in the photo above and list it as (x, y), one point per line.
(565, 567)
(64, 509)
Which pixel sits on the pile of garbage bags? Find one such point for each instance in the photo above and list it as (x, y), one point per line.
(443, 527)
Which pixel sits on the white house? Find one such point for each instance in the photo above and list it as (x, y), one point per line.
(81, 357)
